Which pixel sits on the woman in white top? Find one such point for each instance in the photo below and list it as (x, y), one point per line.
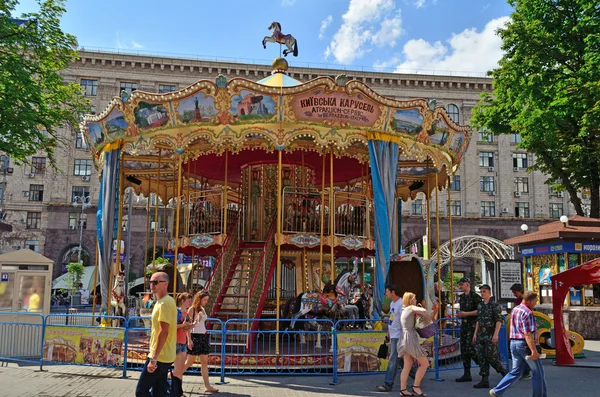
(198, 340)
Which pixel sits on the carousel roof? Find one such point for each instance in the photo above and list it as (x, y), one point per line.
(251, 121)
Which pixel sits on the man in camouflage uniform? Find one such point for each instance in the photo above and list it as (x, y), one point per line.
(489, 321)
(468, 302)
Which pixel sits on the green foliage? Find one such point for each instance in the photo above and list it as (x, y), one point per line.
(75, 272)
(34, 99)
(547, 88)
(446, 280)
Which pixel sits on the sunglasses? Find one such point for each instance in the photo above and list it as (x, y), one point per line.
(155, 282)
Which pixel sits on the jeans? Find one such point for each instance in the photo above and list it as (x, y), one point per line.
(157, 381)
(519, 363)
(392, 369)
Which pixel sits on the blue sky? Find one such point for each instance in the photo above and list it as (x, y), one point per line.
(392, 35)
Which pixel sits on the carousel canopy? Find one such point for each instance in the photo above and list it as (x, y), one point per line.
(251, 121)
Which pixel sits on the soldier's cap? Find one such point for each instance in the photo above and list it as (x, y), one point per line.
(486, 286)
(464, 280)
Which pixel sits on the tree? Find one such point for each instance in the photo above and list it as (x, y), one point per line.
(547, 88)
(34, 100)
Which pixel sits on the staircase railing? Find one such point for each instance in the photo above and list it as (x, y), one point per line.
(258, 291)
(219, 275)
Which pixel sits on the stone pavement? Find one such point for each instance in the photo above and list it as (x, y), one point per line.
(78, 381)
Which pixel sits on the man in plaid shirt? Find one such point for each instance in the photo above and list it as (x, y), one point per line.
(522, 335)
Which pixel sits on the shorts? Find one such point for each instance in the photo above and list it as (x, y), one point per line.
(180, 348)
(201, 345)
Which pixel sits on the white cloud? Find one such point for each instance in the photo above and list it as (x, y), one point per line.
(127, 44)
(363, 27)
(468, 51)
(422, 3)
(324, 24)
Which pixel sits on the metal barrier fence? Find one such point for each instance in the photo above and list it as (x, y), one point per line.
(313, 347)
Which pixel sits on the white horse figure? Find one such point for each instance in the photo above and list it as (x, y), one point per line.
(118, 295)
(286, 39)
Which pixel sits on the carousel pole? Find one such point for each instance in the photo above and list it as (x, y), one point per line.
(322, 225)
(437, 243)
(428, 215)
(225, 191)
(451, 248)
(156, 211)
(177, 219)
(164, 234)
(147, 231)
(187, 203)
(303, 259)
(95, 282)
(331, 215)
(278, 236)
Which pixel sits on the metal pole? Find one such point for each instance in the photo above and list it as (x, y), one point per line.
(178, 208)
(428, 215)
(80, 229)
(156, 222)
(278, 288)
(437, 243)
(128, 248)
(322, 226)
(331, 216)
(451, 249)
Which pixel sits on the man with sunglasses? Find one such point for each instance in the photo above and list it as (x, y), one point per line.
(163, 337)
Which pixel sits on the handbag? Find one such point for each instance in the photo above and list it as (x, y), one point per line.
(383, 351)
(425, 327)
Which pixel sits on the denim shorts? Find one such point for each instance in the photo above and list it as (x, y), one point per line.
(180, 348)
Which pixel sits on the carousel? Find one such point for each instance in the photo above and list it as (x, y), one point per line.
(275, 179)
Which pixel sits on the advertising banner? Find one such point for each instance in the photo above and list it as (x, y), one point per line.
(81, 345)
(357, 352)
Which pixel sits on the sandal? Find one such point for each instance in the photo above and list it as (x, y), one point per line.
(404, 394)
(416, 392)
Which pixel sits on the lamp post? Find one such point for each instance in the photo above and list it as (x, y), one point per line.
(85, 202)
(564, 220)
(5, 171)
(524, 228)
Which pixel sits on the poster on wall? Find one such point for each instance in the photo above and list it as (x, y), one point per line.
(509, 272)
(79, 345)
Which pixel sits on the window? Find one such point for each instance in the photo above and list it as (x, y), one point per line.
(33, 245)
(36, 192)
(82, 167)
(4, 162)
(453, 112)
(488, 208)
(79, 191)
(80, 143)
(486, 159)
(417, 207)
(515, 138)
(34, 220)
(165, 88)
(128, 87)
(74, 218)
(556, 210)
(522, 185)
(522, 210)
(455, 207)
(486, 183)
(38, 165)
(486, 136)
(161, 222)
(455, 186)
(520, 160)
(89, 87)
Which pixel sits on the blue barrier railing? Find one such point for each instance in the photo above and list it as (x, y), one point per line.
(313, 347)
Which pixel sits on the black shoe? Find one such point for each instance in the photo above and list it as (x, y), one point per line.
(465, 378)
(484, 384)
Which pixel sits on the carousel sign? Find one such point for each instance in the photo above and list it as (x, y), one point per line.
(203, 240)
(318, 106)
(352, 242)
(305, 240)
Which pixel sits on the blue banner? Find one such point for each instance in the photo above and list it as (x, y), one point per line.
(562, 247)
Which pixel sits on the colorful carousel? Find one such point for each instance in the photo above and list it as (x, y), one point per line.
(275, 179)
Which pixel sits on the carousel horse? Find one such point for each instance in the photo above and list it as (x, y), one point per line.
(146, 310)
(286, 39)
(118, 296)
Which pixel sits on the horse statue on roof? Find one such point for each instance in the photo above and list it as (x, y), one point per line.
(286, 39)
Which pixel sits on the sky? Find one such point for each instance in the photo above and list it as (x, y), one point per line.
(424, 36)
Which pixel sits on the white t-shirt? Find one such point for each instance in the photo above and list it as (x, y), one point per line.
(395, 327)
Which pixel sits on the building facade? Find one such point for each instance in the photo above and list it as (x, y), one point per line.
(492, 194)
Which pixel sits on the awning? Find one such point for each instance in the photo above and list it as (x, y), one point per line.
(87, 280)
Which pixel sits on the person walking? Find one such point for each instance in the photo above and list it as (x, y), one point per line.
(408, 345)
(393, 336)
(163, 337)
(198, 342)
(487, 330)
(523, 349)
(517, 291)
(468, 303)
(184, 302)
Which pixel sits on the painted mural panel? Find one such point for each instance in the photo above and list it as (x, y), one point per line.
(150, 115)
(407, 121)
(196, 109)
(251, 106)
(439, 133)
(95, 132)
(115, 123)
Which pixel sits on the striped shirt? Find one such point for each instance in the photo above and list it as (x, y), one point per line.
(521, 322)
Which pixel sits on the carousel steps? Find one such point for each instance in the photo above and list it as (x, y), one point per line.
(235, 295)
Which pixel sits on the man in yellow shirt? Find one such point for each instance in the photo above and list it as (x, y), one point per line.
(34, 302)
(153, 380)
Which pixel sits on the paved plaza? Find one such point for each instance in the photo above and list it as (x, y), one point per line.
(78, 381)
